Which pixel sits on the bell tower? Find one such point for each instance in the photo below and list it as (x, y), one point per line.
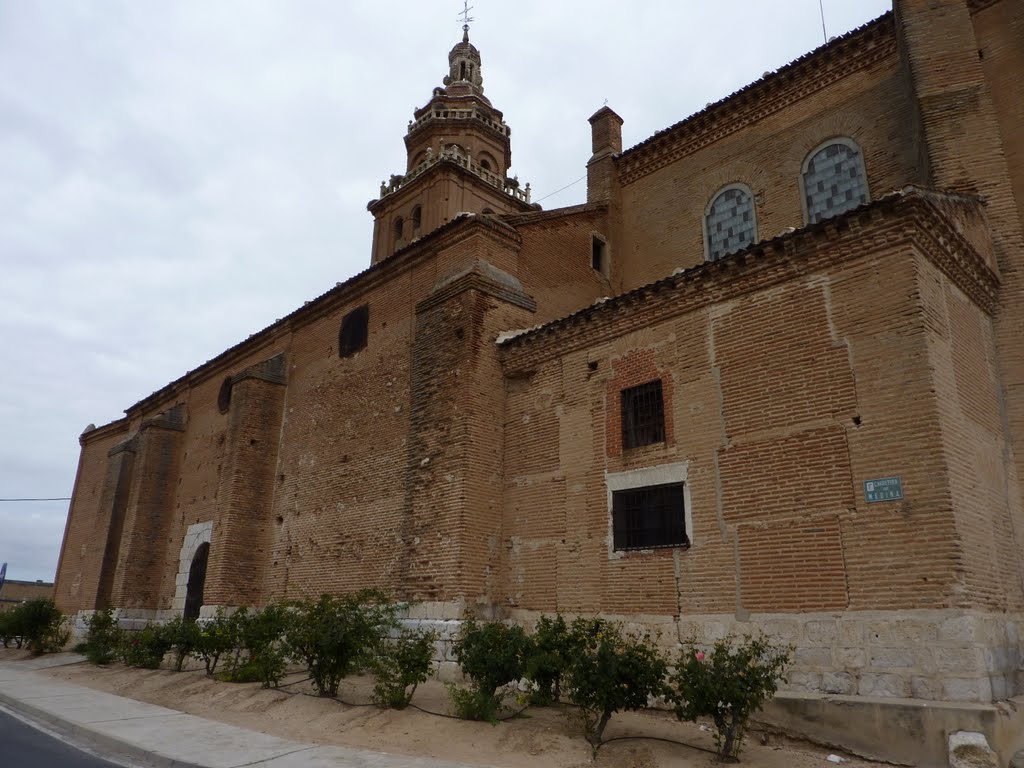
(458, 153)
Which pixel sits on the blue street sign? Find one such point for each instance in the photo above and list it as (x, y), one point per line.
(883, 489)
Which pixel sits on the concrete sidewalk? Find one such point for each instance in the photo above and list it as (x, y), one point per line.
(166, 738)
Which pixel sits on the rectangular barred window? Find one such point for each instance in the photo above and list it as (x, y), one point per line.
(643, 415)
(651, 517)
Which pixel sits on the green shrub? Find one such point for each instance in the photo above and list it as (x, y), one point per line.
(102, 638)
(551, 649)
(728, 685)
(40, 625)
(336, 636)
(402, 664)
(145, 648)
(217, 636)
(492, 655)
(260, 653)
(474, 704)
(10, 628)
(184, 636)
(611, 672)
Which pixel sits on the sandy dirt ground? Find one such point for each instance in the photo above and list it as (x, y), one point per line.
(539, 737)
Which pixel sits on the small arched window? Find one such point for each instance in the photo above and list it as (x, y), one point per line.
(729, 222)
(417, 219)
(224, 395)
(399, 228)
(487, 162)
(833, 180)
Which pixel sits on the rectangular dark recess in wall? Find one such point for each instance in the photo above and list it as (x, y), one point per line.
(354, 331)
(649, 518)
(597, 253)
(643, 415)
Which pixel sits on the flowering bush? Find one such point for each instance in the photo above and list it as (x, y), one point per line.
(102, 638)
(145, 648)
(610, 671)
(728, 685)
(217, 636)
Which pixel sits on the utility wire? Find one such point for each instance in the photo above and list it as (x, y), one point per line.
(51, 498)
(581, 178)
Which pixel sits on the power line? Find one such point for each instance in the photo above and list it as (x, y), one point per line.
(581, 178)
(51, 498)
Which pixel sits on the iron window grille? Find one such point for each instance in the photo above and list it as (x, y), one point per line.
(643, 415)
(649, 518)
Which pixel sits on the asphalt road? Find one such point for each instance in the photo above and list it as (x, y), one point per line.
(22, 746)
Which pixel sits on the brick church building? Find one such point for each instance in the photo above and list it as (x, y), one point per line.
(770, 375)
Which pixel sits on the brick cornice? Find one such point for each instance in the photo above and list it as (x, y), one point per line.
(116, 427)
(979, 5)
(442, 166)
(484, 278)
(273, 371)
(125, 446)
(906, 217)
(172, 419)
(854, 51)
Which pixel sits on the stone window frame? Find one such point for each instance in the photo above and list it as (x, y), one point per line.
(846, 141)
(195, 535)
(675, 473)
(707, 211)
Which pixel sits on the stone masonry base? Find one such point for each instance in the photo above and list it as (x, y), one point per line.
(943, 655)
(883, 684)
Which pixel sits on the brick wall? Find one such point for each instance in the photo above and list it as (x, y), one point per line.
(786, 395)
(666, 185)
(15, 592)
(442, 467)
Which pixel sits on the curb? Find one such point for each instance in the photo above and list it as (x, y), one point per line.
(81, 734)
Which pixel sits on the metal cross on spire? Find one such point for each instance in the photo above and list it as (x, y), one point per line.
(464, 17)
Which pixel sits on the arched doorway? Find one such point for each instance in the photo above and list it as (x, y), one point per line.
(196, 581)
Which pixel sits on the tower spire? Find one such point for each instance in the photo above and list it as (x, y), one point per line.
(465, 18)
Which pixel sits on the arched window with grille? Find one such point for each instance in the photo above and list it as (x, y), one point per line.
(833, 180)
(417, 220)
(729, 222)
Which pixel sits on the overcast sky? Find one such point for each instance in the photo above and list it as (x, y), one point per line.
(176, 175)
